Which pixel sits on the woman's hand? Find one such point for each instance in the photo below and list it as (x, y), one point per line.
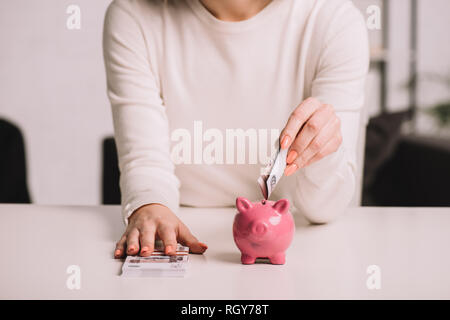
(312, 132)
(155, 221)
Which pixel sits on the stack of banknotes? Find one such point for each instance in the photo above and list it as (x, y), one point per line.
(157, 264)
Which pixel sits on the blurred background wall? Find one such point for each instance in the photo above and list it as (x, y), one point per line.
(52, 84)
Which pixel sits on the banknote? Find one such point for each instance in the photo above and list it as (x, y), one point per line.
(153, 261)
(159, 249)
(157, 264)
(273, 172)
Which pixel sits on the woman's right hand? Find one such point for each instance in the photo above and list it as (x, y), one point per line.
(152, 222)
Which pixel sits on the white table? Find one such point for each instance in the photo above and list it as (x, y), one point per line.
(410, 246)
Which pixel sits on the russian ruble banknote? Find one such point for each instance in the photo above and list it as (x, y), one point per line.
(157, 264)
(273, 172)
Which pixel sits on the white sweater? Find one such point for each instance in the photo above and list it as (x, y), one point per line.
(181, 82)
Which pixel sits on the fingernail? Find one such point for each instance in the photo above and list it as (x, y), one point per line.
(290, 169)
(292, 155)
(130, 249)
(117, 252)
(169, 249)
(203, 245)
(144, 249)
(285, 142)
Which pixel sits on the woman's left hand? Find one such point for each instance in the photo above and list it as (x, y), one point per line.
(312, 132)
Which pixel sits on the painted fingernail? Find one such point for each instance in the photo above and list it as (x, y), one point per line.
(285, 142)
(117, 252)
(290, 169)
(130, 249)
(292, 155)
(169, 249)
(144, 250)
(203, 245)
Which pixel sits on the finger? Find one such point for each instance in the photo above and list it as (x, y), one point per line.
(310, 130)
(147, 240)
(133, 242)
(119, 251)
(331, 129)
(169, 238)
(296, 120)
(329, 148)
(188, 239)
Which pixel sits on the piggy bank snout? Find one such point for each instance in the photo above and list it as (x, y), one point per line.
(259, 228)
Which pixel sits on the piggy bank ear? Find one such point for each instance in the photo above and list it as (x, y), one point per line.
(243, 205)
(281, 206)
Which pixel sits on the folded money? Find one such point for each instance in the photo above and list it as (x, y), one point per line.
(157, 264)
(273, 172)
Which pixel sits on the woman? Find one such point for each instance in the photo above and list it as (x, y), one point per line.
(295, 66)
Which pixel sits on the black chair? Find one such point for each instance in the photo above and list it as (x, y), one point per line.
(382, 138)
(13, 173)
(417, 175)
(111, 173)
(402, 170)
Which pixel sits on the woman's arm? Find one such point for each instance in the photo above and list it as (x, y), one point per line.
(140, 122)
(327, 178)
(148, 184)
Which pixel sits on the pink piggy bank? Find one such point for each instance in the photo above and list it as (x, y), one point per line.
(263, 230)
